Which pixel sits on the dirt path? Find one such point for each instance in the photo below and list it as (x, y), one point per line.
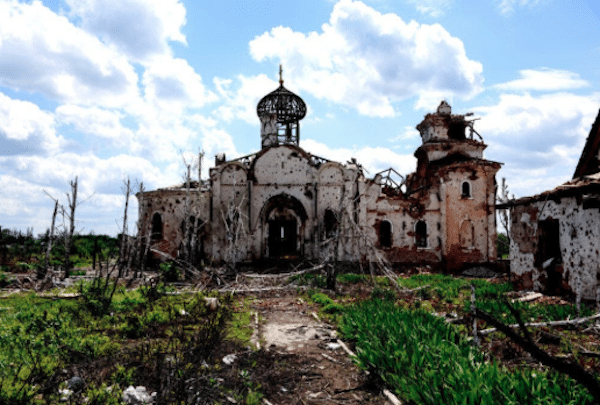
(315, 369)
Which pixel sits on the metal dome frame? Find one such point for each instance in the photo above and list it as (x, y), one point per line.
(287, 106)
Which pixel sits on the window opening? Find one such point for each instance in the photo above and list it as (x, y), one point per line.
(157, 227)
(421, 234)
(331, 224)
(385, 234)
(456, 130)
(548, 255)
(466, 189)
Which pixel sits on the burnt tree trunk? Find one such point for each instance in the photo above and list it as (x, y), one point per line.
(44, 269)
(69, 234)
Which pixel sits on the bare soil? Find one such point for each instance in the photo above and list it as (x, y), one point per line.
(319, 369)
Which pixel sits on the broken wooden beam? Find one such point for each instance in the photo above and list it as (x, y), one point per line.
(572, 322)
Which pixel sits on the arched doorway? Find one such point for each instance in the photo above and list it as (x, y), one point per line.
(284, 218)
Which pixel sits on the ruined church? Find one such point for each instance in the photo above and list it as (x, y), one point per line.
(284, 203)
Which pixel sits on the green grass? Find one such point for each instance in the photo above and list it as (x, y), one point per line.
(39, 337)
(426, 361)
(240, 327)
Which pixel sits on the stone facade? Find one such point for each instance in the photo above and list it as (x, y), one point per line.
(283, 202)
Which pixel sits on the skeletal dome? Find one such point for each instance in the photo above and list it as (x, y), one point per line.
(287, 106)
(280, 113)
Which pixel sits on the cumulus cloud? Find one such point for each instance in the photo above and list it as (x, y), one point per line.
(240, 99)
(373, 159)
(537, 137)
(544, 79)
(368, 60)
(25, 178)
(156, 23)
(26, 129)
(173, 84)
(214, 139)
(105, 124)
(42, 52)
(96, 175)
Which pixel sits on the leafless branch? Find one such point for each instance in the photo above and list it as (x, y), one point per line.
(573, 370)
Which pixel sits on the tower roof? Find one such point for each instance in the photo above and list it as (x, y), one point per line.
(288, 106)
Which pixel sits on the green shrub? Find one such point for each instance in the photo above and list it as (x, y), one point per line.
(333, 308)
(170, 271)
(104, 395)
(134, 327)
(321, 299)
(4, 279)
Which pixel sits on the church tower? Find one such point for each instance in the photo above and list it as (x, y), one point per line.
(280, 113)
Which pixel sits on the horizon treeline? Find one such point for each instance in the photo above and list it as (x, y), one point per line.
(23, 251)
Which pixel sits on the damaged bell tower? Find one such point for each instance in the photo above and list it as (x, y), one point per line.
(280, 113)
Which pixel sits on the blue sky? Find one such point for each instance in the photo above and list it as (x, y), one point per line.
(107, 90)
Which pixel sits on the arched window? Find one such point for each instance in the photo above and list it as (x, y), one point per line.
(385, 234)
(421, 234)
(157, 227)
(331, 224)
(466, 189)
(467, 234)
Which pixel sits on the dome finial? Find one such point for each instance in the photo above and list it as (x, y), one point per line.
(280, 75)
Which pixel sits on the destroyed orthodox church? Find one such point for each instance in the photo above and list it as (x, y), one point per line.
(555, 235)
(282, 202)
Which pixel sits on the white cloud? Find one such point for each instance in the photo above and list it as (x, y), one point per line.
(507, 7)
(96, 175)
(368, 60)
(214, 140)
(25, 128)
(171, 83)
(373, 159)
(14, 190)
(240, 103)
(42, 52)
(105, 124)
(25, 178)
(140, 28)
(537, 137)
(434, 8)
(544, 79)
(407, 139)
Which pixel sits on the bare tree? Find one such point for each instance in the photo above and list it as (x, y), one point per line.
(68, 229)
(72, 201)
(351, 238)
(44, 269)
(142, 237)
(192, 223)
(236, 233)
(503, 197)
(127, 244)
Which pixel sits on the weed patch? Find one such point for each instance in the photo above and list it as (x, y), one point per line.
(427, 361)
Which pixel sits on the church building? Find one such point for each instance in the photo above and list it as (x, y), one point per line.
(283, 202)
